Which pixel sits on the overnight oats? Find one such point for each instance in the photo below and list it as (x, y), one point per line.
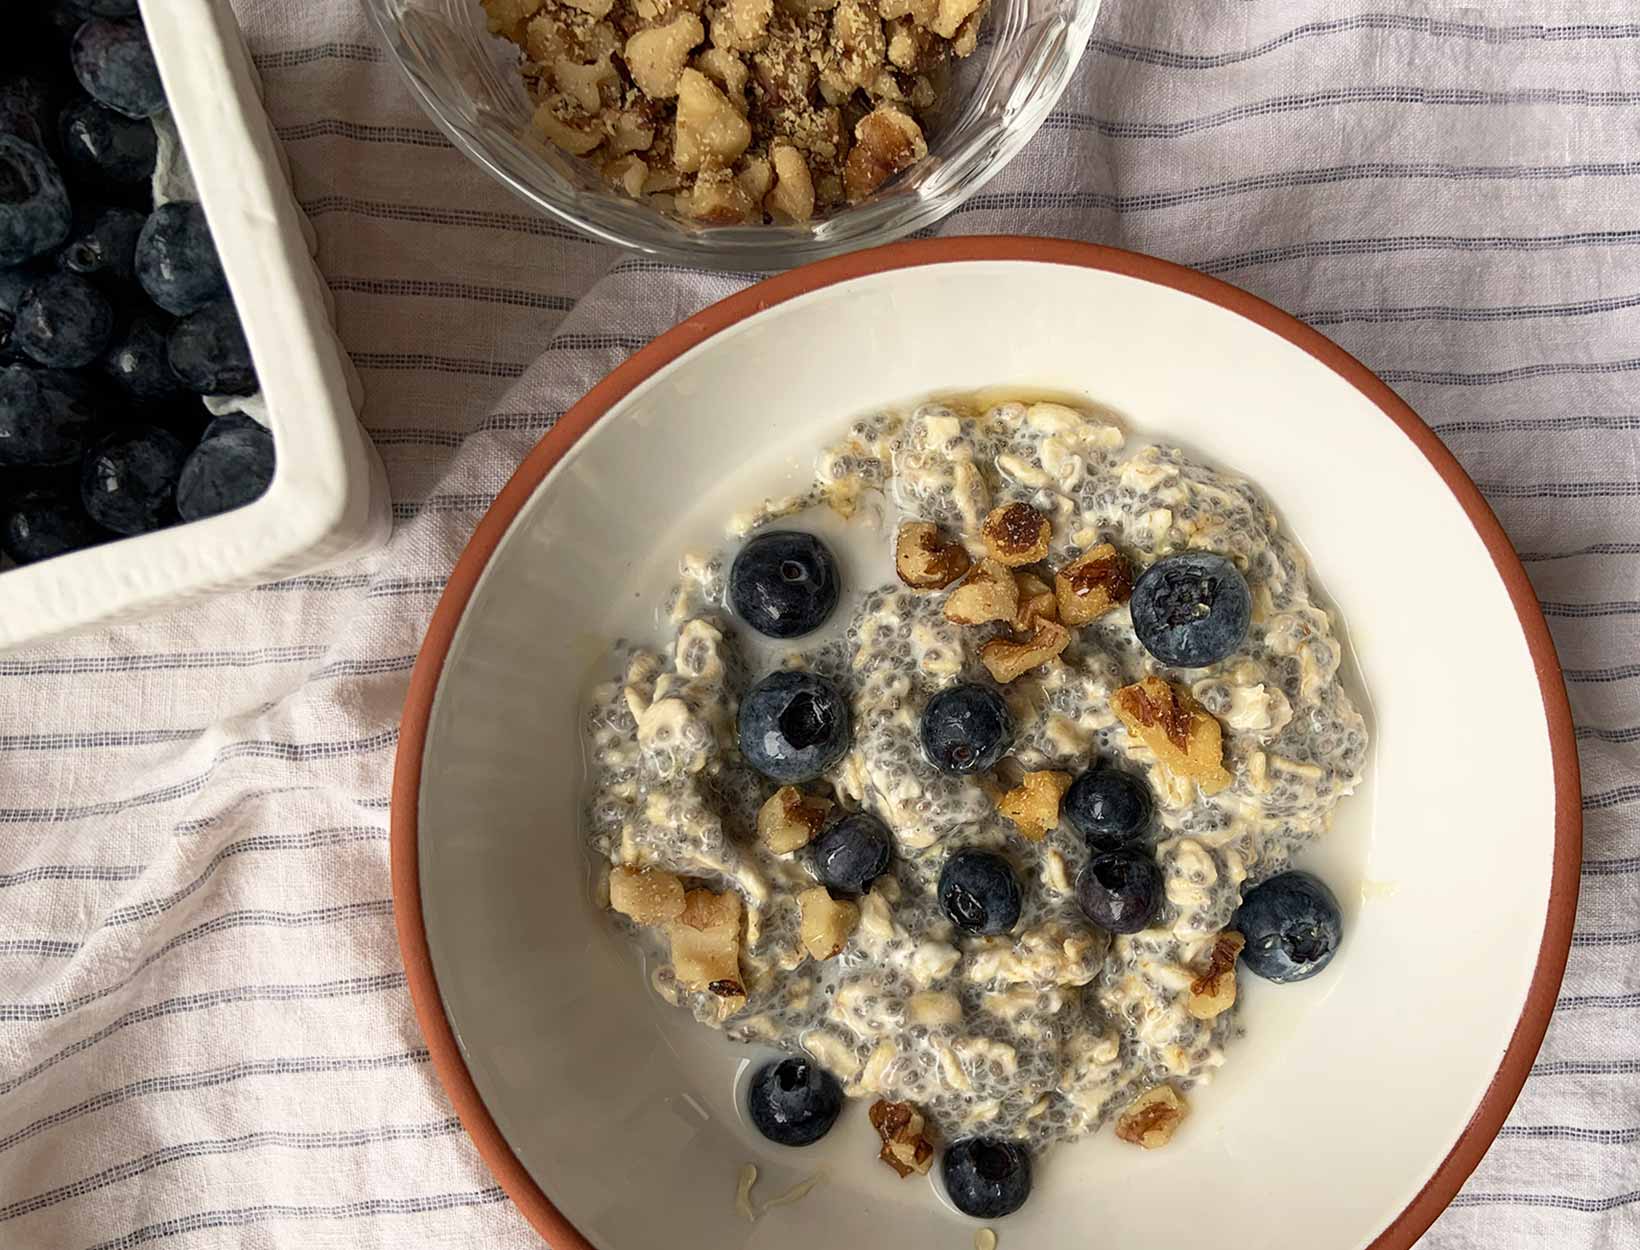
(989, 850)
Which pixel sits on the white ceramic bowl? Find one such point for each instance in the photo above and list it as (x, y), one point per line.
(328, 501)
(1356, 1103)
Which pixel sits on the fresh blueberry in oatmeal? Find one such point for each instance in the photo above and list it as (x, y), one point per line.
(980, 893)
(966, 728)
(1120, 890)
(1191, 609)
(986, 1177)
(128, 482)
(1108, 807)
(35, 214)
(793, 726)
(1292, 926)
(784, 583)
(794, 1102)
(115, 65)
(176, 259)
(63, 322)
(852, 853)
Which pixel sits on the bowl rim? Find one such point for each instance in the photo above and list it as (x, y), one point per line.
(1554, 947)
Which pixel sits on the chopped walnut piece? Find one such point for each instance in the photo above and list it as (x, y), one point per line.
(906, 1148)
(926, 557)
(1033, 805)
(988, 593)
(587, 85)
(886, 141)
(717, 198)
(656, 57)
(1181, 734)
(790, 819)
(1092, 584)
(825, 924)
(647, 895)
(633, 131)
(597, 8)
(561, 120)
(966, 39)
(792, 198)
(507, 17)
(629, 173)
(1007, 659)
(1036, 602)
(711, 131)
(755, 176)
(922, 12)
(742, 24)
(706, 947)
(728, 71)
(1151, 1119)
(859, 43)
(952, 14)
(1214, 992)
(1016, 534)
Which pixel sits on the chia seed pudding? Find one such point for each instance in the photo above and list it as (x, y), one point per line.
(1041, 1034)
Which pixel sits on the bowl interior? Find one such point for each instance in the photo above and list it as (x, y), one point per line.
(1345, 1093)
(467, 80)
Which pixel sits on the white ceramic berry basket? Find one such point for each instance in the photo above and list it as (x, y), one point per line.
(328, 500)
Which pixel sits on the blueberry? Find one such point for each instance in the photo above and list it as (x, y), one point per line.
(101, 8)
(794, 1103)
(226, 471)
(105, 246)
(231, 422)
(128, 481)
(115, 65)
(27, 102)
(853, 853)
(138, 359)
(784, 583)
(1292, 926)
(13, 284)
(1191, 609)
(980, 893)
(793, 726)
(46, 416)
(106, 148)
(1120, 890)
(43, 524)
(35, 215)
(986, 1177)
(1108, 807)
(965, 729)
(208, 352)
(177, 262)
(63, 322)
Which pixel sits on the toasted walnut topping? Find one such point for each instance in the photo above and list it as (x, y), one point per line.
(988, 593)
(926, 557)
(825, 924)
(1016, 534)
(1033, 805)
(647, 895)
(792, 198)
(710, 131)
(1151, 1119)
(706, 946)
(1180, 733)
(1214, 992)
(790, 819)
(905, 1147)
(1008, 659)
(656, 57)
(886, 141)
(1036, 602)
(1093, 584)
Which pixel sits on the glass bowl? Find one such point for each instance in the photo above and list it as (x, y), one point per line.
(468, 81)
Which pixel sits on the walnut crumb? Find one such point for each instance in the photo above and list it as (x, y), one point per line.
(1007, 659)
(1152, 1118)
(1033, 805)
(646, 895)
(789, 819)
(706, 947)
(926, 557)
(1180, 733)
(1037, 601)
(1092, 584)
(906, 1147)
(1016, 534)
(988, 593)
(825, 924)
(1214, 992)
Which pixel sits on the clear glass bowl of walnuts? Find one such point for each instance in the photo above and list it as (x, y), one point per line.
(739, 134)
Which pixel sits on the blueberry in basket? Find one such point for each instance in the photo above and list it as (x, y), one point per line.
(987, 1177)
(793, 1102)
(1292, 925)
(852, 853)
(980, 893)
(966, 728)
(793, 726)
(1191, 609)
(784, 583)
(117, 327)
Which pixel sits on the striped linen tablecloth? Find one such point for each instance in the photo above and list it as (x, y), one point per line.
(205, 1036)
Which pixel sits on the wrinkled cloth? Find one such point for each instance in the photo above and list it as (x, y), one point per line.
(205, 1034)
